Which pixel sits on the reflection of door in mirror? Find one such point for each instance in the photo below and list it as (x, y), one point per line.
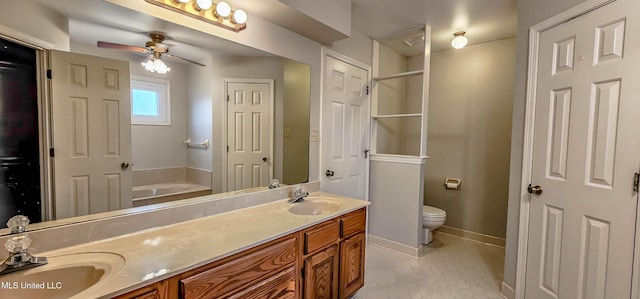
(19, 144)
(91, 134)
(249, 131)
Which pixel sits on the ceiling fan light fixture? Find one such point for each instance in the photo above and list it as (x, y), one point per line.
(182, 1)
(239, 17)
(203, 4)
(155, 65)
(223, 10)
(459, 40)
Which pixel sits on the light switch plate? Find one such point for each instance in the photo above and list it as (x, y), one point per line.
(288, 132)
(314, 135)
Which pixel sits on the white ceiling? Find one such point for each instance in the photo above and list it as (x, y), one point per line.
(483, 20)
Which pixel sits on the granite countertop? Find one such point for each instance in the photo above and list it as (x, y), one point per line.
(159, 253)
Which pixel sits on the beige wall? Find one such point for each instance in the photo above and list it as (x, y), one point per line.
(206, 110)
(392, 99)
(295, 168)
(530, 12)
(470, 105)
(147, 140)
(35, 20)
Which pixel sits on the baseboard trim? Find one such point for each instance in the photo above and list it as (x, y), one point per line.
(507, 292)
(395, 246)
(497, 241)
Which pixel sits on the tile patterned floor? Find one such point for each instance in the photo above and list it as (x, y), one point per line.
(452, 267)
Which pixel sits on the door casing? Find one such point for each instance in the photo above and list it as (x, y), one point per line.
(225, 119)
(326, 52)
(527, 150)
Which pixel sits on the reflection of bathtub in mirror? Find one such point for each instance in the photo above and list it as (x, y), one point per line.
(158, 193)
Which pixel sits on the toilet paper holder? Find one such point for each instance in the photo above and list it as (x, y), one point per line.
(452, 183)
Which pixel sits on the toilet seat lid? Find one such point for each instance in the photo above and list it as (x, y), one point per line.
(433, 211)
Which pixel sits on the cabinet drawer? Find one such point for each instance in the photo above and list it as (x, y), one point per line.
(228, 278)
(279, 286)
(352, 223)
(321, 236)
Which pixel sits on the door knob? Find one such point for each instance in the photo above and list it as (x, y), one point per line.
(124, 165)
(329, 173)
(537, 190)
(264, 159)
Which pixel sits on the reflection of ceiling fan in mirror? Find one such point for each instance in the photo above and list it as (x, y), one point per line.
(155, 47)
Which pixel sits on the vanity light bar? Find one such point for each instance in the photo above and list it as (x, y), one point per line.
(207, 11)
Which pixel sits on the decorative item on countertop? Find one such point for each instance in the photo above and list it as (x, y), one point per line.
(274, 184)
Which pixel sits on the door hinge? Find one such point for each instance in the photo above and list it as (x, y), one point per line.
(52, 153)
(636, 181)
(49, 74)
(227, 98)
(227, 148)
(367, 89)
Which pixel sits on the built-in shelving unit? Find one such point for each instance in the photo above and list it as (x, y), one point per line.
(400, 75)
(399, 101)
(400, 93)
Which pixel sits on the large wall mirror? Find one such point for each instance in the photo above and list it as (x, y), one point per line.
(205, 141)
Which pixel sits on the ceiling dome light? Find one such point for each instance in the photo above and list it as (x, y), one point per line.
(239, 17)
(203, 4)
(459, 41)
(223, 10)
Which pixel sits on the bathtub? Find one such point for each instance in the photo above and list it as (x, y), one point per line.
(158, 193)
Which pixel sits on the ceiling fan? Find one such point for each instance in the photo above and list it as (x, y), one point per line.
(154, 47)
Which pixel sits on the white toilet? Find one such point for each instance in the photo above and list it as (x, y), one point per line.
(432, 218)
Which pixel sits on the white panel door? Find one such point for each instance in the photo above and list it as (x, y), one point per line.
(248, 135)
(91, 104)
(344, 129)
(585, 153)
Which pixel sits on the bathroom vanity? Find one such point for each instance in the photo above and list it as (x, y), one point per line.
(323, 261)
(313, 249)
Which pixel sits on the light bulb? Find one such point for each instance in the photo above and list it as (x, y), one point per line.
(155, 66)
(459, 41)
(203, 4)
(239, 17)
(223, 10)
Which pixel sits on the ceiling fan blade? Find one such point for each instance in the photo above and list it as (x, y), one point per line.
(187, 60)
(102, 44)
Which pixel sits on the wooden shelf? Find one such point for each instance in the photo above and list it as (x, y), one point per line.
(400, 75)
(397, 115)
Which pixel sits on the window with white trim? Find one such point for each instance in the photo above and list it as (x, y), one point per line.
(150, 103)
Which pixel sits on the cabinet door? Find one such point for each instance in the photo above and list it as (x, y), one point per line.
(321, 274)
(351, 265)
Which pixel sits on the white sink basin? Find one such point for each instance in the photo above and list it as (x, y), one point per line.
(63, 277)
(315, 206)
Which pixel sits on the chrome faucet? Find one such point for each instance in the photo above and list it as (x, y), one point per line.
(19, 258)
(298, 195)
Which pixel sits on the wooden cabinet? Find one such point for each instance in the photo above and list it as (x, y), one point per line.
(158, 290)
(334, 257)
(249, 271)
(352, 265)
(325, 261)
(321, 274)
